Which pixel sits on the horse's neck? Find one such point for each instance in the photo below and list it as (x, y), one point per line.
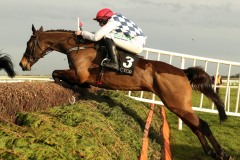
(61, 41)
(65, 41)
(70, 41)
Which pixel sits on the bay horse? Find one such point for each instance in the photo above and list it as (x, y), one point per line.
(172, 85)
(7, 64)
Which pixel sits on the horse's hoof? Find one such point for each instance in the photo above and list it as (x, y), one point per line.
(231, 158)
(225, 157)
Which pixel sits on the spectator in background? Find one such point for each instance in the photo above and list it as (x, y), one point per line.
(217, 79)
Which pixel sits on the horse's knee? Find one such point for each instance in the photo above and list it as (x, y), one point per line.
(60, 75)
(55, 76)
(55, 73)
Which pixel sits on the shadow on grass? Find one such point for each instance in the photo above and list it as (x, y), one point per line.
(153, 134)
(180, 152)
(188, 152)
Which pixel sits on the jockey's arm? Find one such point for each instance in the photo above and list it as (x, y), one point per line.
(110, 26)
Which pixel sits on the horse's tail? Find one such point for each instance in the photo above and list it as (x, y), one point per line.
(202, 82)
(7, 65)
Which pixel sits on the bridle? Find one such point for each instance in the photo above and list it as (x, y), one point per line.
(34, 58)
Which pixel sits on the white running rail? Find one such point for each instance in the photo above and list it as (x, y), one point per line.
(4, 79)
(212, 67)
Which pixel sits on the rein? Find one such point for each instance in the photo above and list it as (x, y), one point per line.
(79, 41)
(32, 57)
(77, 48)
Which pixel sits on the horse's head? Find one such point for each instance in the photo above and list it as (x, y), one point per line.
(42, 42)
(36, 49)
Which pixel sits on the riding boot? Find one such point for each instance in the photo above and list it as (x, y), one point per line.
(111, 47)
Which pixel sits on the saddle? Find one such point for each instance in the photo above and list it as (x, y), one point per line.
(126, 60)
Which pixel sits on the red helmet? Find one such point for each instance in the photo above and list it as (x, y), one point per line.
(104, 14)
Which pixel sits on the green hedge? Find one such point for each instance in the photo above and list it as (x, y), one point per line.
(104, 126)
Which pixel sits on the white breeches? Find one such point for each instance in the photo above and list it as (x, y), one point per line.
(134, 45)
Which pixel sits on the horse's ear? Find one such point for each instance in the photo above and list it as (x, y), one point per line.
(33, 29)
(41, 28)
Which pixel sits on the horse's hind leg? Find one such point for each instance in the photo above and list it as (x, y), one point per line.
(177, 97)
(207, 149)
(201, 129)
(220, 153)
(195, 124)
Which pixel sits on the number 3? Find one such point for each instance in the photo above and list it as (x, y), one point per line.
(129, 62)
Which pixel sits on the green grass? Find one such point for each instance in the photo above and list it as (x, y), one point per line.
(107, 126)
(104, 127)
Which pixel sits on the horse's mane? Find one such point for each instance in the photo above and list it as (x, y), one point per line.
(59, 30)
(70, 31)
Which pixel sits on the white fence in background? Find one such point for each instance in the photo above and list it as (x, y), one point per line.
(211, 66)
(4, 79)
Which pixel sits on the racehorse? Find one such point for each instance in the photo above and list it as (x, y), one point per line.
(172, 85)
(7, 65)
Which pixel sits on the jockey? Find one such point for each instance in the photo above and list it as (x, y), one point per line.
(118, 31)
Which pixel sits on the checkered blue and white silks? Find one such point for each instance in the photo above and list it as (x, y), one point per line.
(127, 27)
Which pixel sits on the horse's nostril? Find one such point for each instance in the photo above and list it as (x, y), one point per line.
(21, 65)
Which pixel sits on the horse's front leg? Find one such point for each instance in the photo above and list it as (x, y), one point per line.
(69, 77)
